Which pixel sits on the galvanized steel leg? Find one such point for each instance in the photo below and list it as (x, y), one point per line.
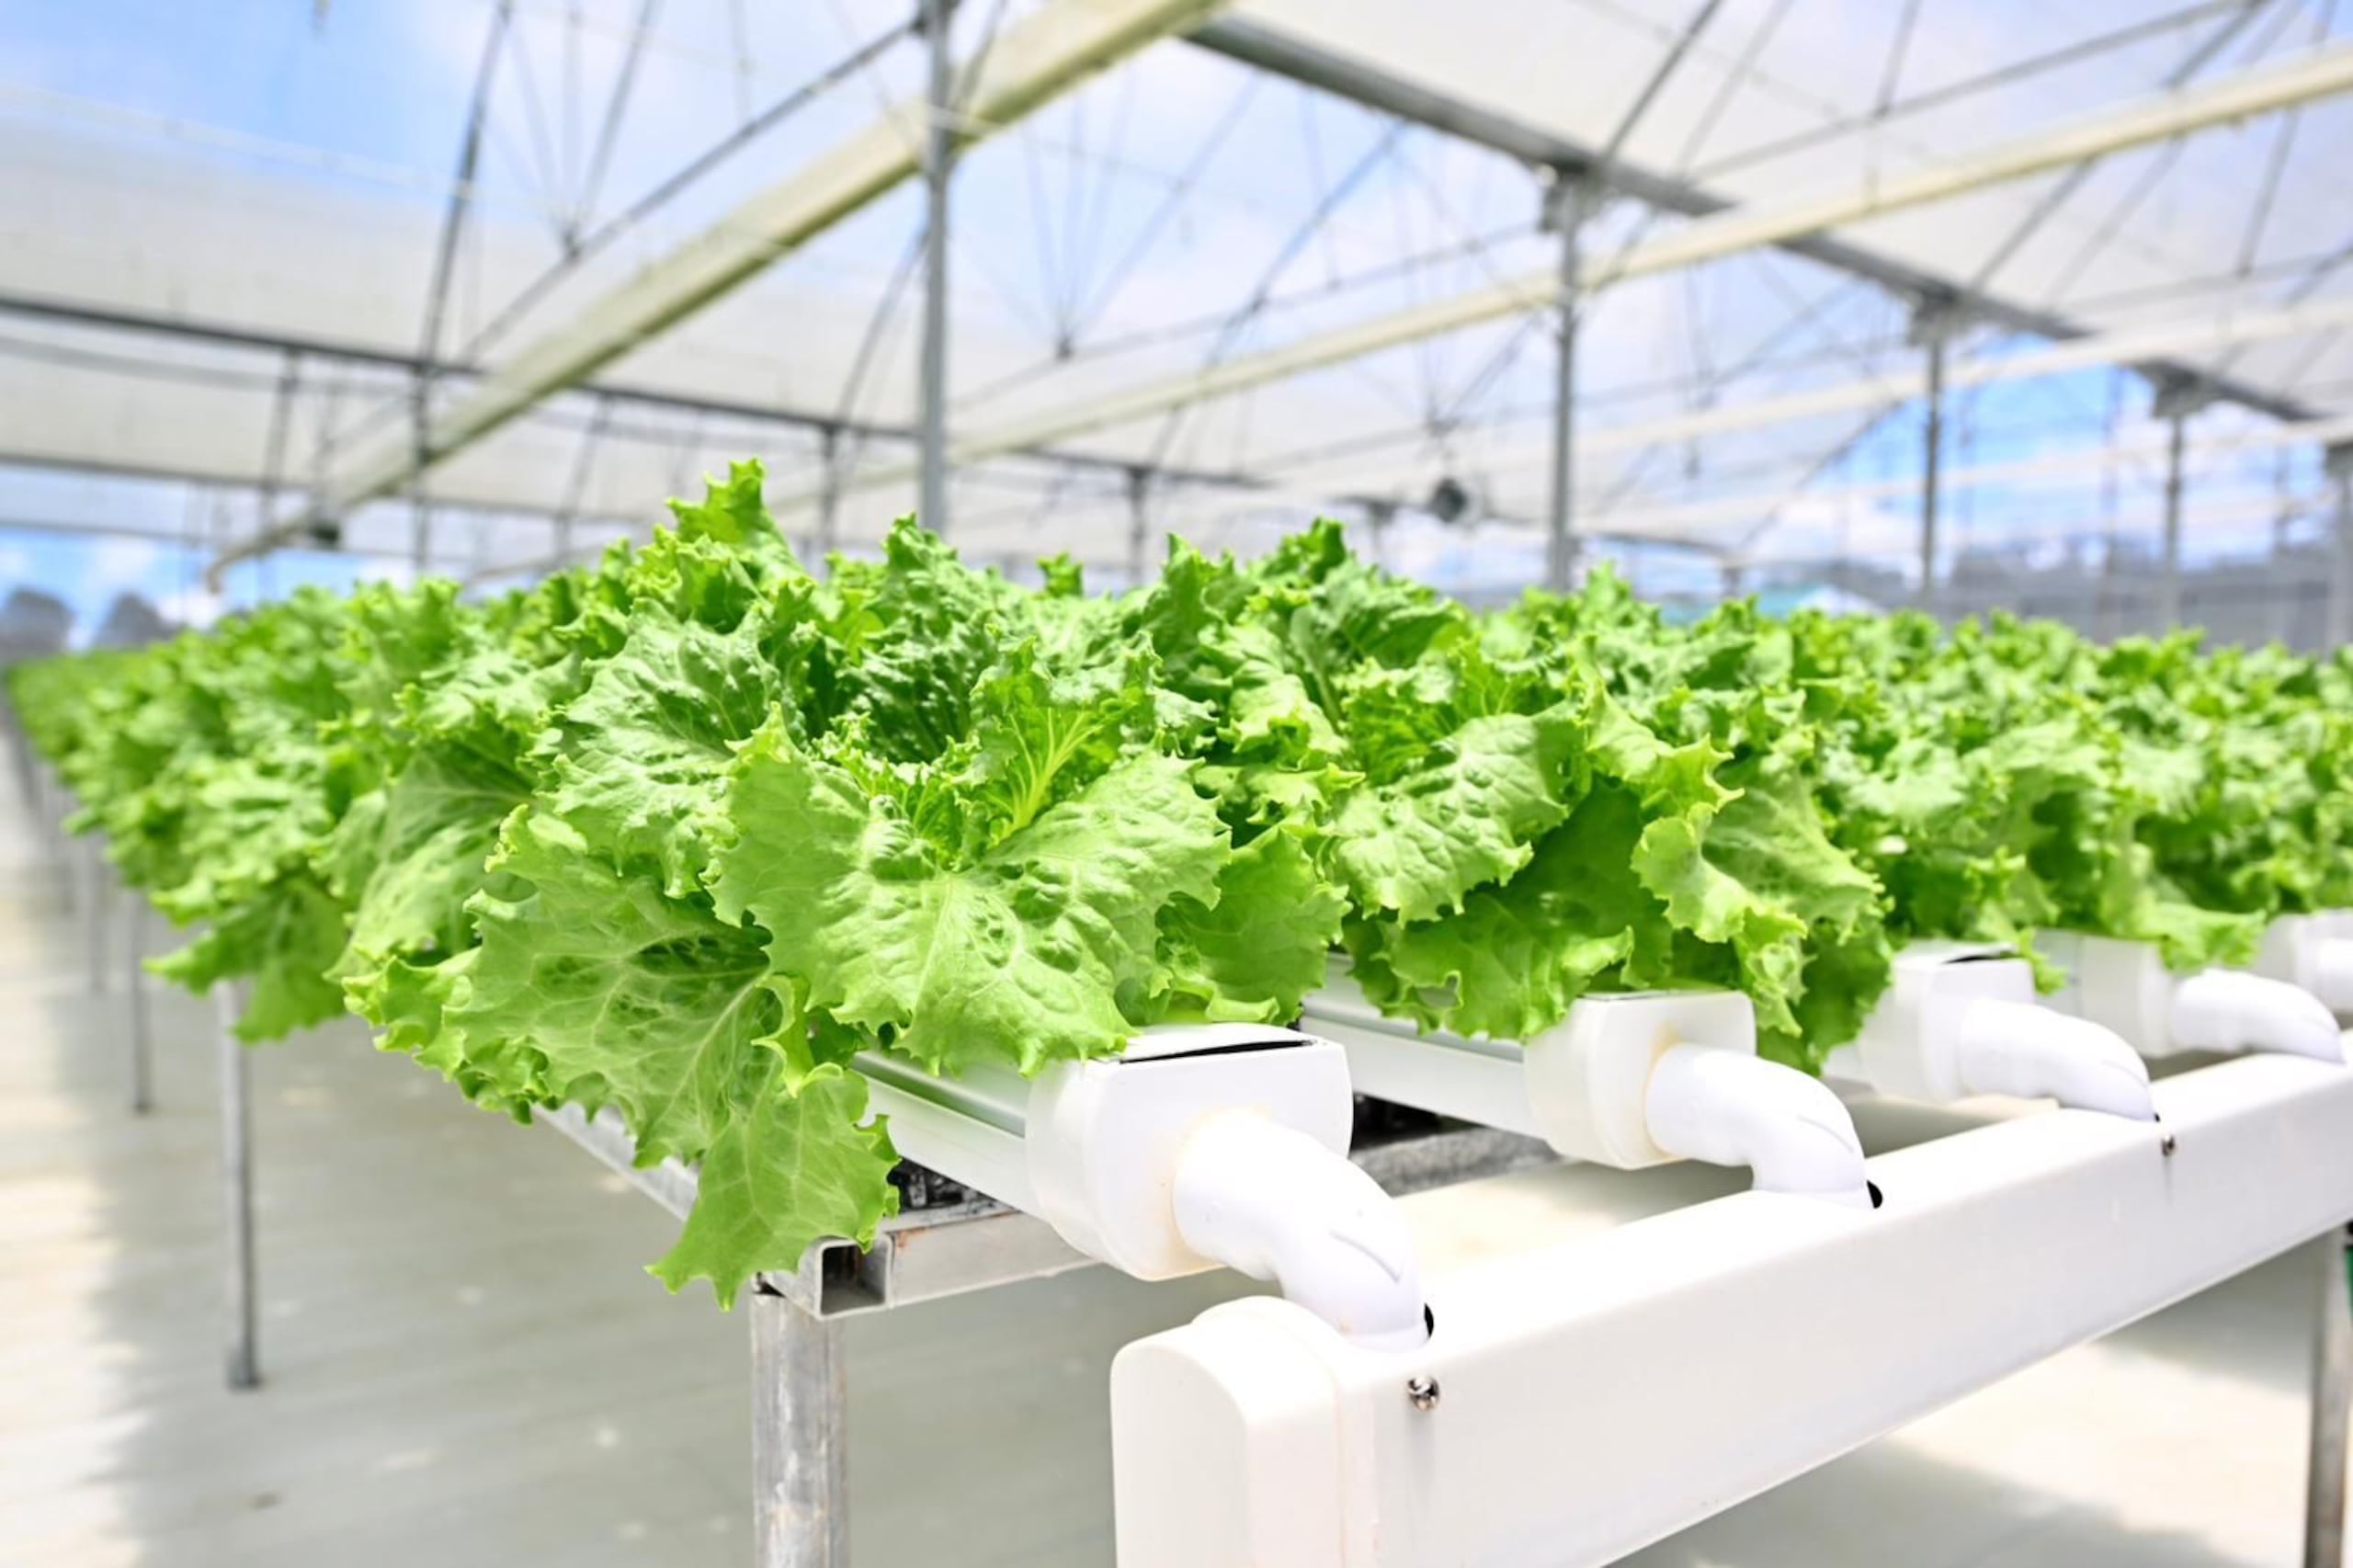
(142, 1086)
(2332, 1408)
(237, 1192)
(1565, 214)
(800, 1437)
(938, 168)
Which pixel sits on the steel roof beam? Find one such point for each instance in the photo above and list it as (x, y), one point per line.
(111, 318)
(1266, 49)
(1052, 50)
(2138, 122)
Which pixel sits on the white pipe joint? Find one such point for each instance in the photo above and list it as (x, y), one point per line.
(1619, 1083)
(1726, 1107)
(1273, 1203)
(2225, 1009)
(1218, 1144)
(2315, 952)
(1961, 1019)
(2032, 1052)
(2126, 987)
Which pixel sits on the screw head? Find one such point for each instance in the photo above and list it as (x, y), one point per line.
(2165, 1145)
(1422, 1389)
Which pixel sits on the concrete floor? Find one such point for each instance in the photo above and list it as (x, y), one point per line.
(465, 1364)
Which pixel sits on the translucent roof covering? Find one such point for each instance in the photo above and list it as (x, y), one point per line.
(251, 254)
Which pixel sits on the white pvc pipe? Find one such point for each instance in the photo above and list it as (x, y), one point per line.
(2035, 1052)
(2228, 1009)
(1277, 1205)
(1727, 1107)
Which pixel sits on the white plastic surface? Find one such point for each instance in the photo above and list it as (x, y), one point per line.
(2224, 1009)
(2122, 987)
(1223, 1144)
(2125, 987)
(1106, 1138)
(1591, 1395)
(1727, 1107)
(1589, 1080)
(2313, 952)
(1272, 1202)
(1961, 1019)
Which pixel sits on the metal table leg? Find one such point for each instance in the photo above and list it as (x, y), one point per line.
(2332, 1406)
(237, 1192)
(800, 1437)
(134, 982)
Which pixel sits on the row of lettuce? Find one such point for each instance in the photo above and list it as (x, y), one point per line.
(681, 833)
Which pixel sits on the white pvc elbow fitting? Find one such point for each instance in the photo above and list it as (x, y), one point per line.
(1962, 1018)
(1727, 1107)
(2224, 1009)
(1204, 1144)
(2031, 1051)
(1276, 1204)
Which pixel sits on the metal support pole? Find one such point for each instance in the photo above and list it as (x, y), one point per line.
(940, 151)
(1565, 212)
(2332, 1408)
(143, 1067)
(2338, 630)
(93, 912)
(1932, 328)
(2170, 573)
(237, 1189)
(829, 493)
(800, 1437)
(1139, 527)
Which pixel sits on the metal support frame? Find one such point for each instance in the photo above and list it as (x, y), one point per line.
(801, 1393)
(939, 174)
(2332, 1404)
(2169, 575)
(1565, 212)
(2338, 463)
(2174, 401)
(829, 504)
(800, 1435)
(1139, 524)
(1933, 326)
(2153, 118)
(1052, 49)
(1296, 57)
(237, 1192)
(134, 989)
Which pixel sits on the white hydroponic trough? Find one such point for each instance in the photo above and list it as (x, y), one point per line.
(1592, 1393)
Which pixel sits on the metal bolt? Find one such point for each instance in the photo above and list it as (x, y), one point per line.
(2165, 1145)
(1422, 1389)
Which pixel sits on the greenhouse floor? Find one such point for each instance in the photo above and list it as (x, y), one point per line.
(465, 1364)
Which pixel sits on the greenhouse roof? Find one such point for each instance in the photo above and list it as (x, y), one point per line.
(1211, 268)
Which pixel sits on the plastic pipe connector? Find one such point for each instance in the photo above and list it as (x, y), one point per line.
(1731, 1108)
(2225, 1009)
(1961, 1019)
(2033, 1052)
(2333, 974)
(1276, 1204)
